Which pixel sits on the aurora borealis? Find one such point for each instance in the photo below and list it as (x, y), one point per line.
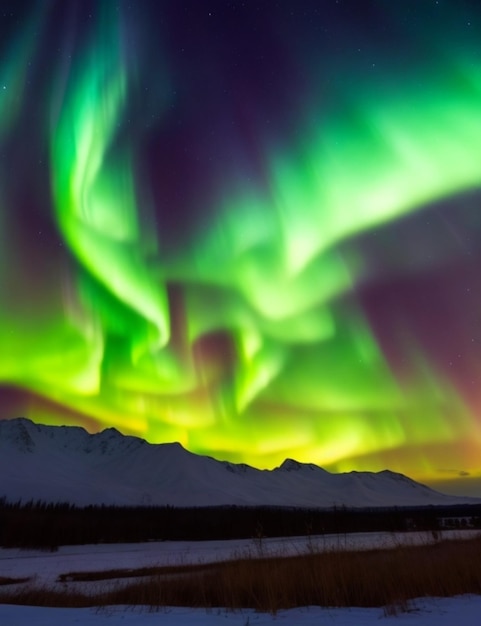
(250, 227)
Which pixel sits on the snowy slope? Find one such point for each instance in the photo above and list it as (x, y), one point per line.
(68, 464)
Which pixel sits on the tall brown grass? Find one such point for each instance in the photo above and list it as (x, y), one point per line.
(331, 579)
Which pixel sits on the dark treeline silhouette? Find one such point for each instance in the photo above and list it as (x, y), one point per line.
(47, 526)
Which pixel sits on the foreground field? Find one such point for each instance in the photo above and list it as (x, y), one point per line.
(377, 577)
(269, 576)
(44, 569)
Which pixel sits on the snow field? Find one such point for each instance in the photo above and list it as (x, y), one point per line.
(458, 611)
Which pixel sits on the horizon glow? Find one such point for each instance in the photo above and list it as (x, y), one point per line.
(300, 283)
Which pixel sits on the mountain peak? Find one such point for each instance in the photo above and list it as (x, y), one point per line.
(291, 465)
(18, 433)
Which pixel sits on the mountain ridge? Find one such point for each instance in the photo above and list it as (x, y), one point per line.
(68, 464)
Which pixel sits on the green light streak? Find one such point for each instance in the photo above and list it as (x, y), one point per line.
(94, 192)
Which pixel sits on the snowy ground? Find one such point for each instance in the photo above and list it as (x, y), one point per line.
(44, 568)
(462, 610)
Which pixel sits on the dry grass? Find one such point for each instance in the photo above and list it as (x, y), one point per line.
(387, 578)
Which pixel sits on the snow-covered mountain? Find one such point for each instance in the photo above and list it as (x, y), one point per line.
(67, 464)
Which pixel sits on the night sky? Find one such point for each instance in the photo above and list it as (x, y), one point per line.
(250, 227)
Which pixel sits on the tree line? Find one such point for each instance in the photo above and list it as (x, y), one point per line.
(43, 525)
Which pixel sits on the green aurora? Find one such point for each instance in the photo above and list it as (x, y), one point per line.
(284, 318)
